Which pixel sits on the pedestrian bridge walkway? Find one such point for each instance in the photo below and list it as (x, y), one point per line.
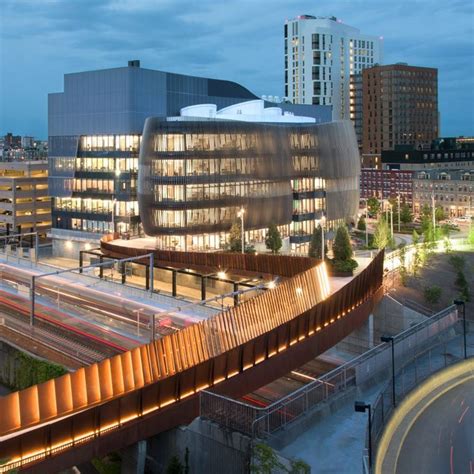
(152, 388)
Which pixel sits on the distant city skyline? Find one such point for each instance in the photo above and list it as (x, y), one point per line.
(40, 41)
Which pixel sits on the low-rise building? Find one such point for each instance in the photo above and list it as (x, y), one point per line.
(25, 205)
(452, 190)
(444, 153)
(386, 184)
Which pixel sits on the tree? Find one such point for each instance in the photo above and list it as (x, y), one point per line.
(373, 205)
(426, 211)
(440, 215)
(235, 237)
(381, 234)
(342, 247)
(403, 269)
(361, 225)
(417, 252)
(406, 215)
(415, 237)
(470, 237)
(315, 244)
(273, 240)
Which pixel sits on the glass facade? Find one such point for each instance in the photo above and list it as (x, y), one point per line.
(100, 194)
(195, 176)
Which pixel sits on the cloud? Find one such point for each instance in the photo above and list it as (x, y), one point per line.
(240, 40)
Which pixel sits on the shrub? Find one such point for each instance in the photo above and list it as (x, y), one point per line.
(345, 266)
(361, 225)
(342, 248)
(432, 294)
(32, 371)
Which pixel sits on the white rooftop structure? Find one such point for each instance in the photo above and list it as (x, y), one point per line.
(249, 111)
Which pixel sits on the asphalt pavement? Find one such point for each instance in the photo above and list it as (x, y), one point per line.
(441, 440)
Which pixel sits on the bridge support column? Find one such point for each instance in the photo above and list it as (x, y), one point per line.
(370, 323)
(133, 458)
(173, 282)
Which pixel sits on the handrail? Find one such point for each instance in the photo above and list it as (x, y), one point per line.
(279, 406)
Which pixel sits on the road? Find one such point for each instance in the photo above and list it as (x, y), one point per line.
(441, 440)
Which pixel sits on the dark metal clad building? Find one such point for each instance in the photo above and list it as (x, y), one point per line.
(195, 176)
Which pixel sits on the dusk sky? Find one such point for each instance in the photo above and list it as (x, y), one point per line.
(239, 40)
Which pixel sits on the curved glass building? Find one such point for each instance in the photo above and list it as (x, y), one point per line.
(198, 170)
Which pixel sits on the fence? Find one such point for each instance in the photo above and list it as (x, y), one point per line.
(412, 366)
(266, 422)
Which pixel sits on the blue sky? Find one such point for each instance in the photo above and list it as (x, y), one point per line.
(240, 40)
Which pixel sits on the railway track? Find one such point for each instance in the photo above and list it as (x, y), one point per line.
(78, 346)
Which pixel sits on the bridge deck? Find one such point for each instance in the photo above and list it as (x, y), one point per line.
(155, 386)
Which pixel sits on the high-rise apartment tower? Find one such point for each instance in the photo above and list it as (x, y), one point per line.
(320, 56)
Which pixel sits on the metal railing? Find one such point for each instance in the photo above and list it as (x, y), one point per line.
(264, 422)
(409, 373)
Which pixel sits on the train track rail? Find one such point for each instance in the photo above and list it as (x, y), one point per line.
(78, 346)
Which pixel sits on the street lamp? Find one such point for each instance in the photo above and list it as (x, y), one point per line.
(392, 340)
(433, 211)
(391, 219)
(361, 407)
(113, 214)
(463, 304)
(241, 214)
(366, 222)
(323, 220)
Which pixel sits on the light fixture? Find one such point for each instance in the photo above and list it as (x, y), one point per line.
(221, 275)
(299, 291)
(271, 285)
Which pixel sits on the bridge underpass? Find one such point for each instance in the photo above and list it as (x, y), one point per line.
(155, 387)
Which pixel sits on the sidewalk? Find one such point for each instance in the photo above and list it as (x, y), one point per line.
(336, 443)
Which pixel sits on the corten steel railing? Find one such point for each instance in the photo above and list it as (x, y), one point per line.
(268, 264)
(268, 421)
(109, 395)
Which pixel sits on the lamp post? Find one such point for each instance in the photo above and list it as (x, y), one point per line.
(362, 407)
(241, 214)
(366, 222)
(391, 339)
(463, 305)
(391, 219)
(398, 202)
(113, 214)
(433, 211)
(323, 219)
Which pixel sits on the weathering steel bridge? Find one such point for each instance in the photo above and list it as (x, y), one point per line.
(153, 388)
